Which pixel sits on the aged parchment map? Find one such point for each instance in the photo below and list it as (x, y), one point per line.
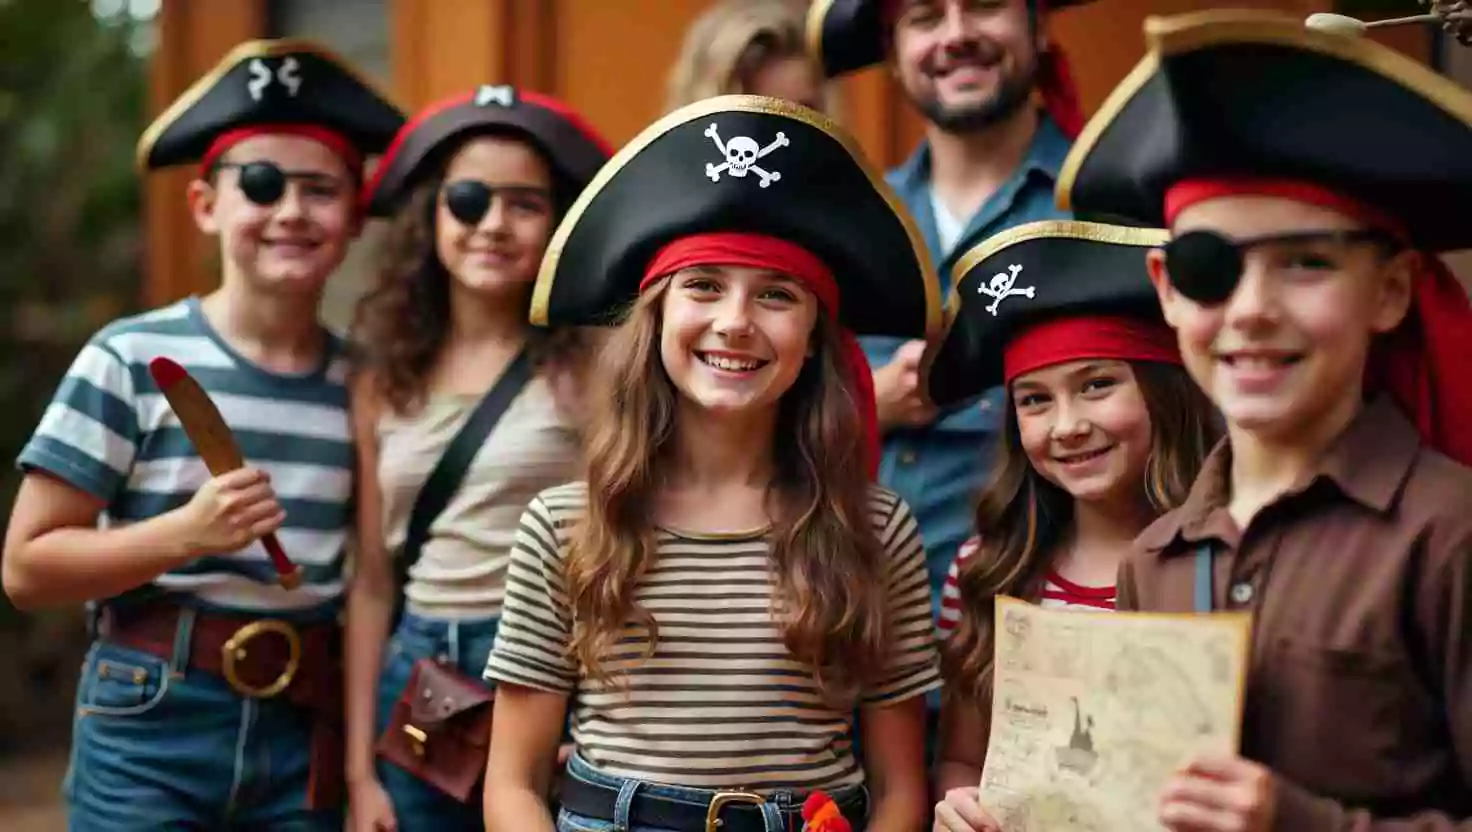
(1093, 711)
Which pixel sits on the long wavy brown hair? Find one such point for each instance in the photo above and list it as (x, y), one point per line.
(830, 572)
(401, 323)
(1022, 519)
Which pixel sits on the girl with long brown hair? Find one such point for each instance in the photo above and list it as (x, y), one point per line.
(727, 585)
(1105, 432)
(473, 187)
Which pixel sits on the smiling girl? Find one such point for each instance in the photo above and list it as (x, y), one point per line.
(474, 186)
(727, 585)
(1104, 433)
(177, 723)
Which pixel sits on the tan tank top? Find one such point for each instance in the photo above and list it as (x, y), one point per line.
(461, 573)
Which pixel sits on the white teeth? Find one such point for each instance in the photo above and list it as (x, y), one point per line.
(721, 362)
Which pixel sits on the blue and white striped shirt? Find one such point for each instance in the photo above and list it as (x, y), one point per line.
(109, 432)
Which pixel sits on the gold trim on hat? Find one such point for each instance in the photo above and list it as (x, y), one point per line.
(258, 48)
(1185, 33)
(1094, 232)
(813, 28)
(542, 292)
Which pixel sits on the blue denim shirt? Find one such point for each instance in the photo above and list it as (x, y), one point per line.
(939, 469)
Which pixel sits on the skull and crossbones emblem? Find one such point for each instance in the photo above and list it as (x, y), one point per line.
(1001, 287)
(741, 155)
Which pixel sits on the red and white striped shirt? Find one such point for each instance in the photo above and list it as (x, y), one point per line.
(1058, 592)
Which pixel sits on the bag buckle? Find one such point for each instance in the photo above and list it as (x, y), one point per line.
(721, 800)
(417, 739)
(235, 650)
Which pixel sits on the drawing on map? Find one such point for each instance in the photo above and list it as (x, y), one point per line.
(1093, 711)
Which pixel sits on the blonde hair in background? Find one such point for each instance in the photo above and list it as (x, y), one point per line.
(727, 44)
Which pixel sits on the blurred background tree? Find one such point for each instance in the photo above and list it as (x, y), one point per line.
(73, 92)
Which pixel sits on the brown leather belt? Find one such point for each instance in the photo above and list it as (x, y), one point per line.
(259, 658)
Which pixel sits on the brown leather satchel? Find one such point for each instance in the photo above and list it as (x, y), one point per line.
(440, 729)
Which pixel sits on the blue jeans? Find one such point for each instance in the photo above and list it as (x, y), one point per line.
(772, 812)
(156, 746)
(465, 645)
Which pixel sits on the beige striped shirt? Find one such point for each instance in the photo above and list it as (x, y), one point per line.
(721, 704)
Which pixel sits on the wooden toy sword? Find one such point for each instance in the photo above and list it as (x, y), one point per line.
(216, 445)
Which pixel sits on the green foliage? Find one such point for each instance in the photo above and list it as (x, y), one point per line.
(73, 97)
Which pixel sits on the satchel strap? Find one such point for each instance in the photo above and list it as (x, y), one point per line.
(450, 471)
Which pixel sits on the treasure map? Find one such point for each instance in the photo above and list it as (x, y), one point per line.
(1092, 712)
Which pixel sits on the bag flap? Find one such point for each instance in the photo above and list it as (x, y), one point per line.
(437, 693)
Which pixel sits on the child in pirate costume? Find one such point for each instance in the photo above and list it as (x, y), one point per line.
(454, 379)
(727, 585)
(1104, 432)
(211, 697)
(1309, 180)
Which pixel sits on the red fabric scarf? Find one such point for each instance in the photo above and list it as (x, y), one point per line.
(760, 251)
(335, 141)
(1425, 364)
(1077, 338)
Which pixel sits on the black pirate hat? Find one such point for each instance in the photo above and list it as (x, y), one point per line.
(571, 145)
(1223, 94)
(1044, 293)
(741, 163)
(849, 35)
(271, 82)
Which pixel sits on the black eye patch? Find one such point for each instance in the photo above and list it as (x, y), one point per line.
(264, 183)
(1206, 266)
(468, 200)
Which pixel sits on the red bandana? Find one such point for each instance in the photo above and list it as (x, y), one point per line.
(760, 251)
(335, 141)
(1423, 363)
(1076, 338)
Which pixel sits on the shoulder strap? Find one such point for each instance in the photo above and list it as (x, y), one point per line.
(449, 472)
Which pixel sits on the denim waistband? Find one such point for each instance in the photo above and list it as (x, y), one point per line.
(422, 625)
(786, 799)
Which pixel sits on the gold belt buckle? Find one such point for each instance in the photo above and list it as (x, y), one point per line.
(234, 651)
(723, 799)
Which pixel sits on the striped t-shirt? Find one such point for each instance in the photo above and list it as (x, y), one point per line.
(109, 432)
(721, 704)
(1058, 592)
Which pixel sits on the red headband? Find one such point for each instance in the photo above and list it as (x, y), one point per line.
(760, 251)
(1423, 363)
(1076, 338)
(1055, 75)
(335, 141)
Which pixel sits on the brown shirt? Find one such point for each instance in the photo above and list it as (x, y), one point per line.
(1360, 689)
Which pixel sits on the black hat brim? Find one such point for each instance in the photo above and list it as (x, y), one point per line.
(1073, 267)
(829, 200)
(245, 88)
(1232, 93)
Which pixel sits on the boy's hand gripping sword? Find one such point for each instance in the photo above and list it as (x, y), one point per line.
(216, 445)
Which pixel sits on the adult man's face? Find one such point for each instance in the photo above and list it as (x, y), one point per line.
(966, 64)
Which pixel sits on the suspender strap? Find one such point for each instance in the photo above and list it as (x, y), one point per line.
(1204, 601)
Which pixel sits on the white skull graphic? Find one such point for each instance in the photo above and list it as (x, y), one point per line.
(740, 153)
